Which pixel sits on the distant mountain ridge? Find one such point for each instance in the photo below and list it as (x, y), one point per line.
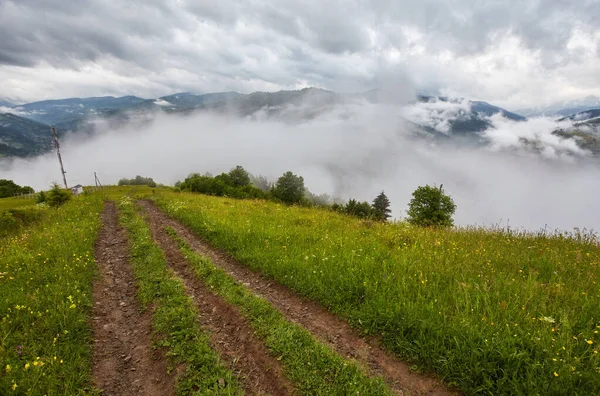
(66, 111)
(457, 118)
(563, 109)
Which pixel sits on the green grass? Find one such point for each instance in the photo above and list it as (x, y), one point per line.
(117, 192)
(46, 274)
(14, 203)
(313, 367)
(491, 312)
(175, 318)
(13, 221)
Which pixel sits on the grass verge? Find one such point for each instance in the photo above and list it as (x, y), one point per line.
(13, 221)
(496, 312)
(175, 317)
(313, 367)
(46, 275)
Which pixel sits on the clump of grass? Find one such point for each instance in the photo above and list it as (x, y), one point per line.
(492, 312)
(313, 367)
(13, 220)
(175, 317)
(46, 274)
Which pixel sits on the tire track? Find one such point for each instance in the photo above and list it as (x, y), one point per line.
(124, 362)
(230, 333)
(323, 325)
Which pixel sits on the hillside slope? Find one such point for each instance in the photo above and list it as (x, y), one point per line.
(22, 137)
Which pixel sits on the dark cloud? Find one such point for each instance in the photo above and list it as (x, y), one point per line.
(205, 45)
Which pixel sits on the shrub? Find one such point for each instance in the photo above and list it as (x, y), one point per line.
(355, 208)
(57, 196)
(222, 185)
(431, 207)
(41, 197)
(289, 188)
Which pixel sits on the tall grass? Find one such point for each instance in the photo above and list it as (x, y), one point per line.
(46, 274)
(492, 312)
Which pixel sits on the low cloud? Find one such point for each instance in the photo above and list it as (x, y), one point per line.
(354, 151)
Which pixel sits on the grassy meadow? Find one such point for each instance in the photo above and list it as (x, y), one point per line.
(491, 312)
(46, 275)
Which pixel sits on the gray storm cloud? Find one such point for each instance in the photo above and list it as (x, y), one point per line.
(512, 53)
(351, 151)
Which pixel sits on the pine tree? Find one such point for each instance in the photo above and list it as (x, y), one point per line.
(381, 207)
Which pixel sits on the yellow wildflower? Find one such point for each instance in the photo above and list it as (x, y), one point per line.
(27, 366)
(555, 374)
(590, 342)
(14, 386)
(8, 368)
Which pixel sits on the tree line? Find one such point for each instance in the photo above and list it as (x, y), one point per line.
(429, 206)
(9, 188)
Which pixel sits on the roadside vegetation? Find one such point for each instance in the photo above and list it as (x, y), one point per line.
(491, 311)
(313, 367)
(46, 274)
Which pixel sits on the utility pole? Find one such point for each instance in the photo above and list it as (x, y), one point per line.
(98, 184)
(62, 168)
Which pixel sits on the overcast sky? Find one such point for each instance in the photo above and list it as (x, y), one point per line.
(509, 52)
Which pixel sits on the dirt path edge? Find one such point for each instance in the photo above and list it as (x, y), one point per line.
(323, 325)
(123, 360)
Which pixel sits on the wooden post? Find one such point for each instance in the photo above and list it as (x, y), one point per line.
(62, 168)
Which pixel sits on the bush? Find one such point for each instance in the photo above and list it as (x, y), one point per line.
(431, 207)
(362, 210)
(57, 196)
(289, 188)
(41, 197)
(12, 220)
(138, 181)
(8, 188)
(222, 185)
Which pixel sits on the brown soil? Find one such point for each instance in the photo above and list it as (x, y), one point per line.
(124, 363)
(322, 324)
(230, 333)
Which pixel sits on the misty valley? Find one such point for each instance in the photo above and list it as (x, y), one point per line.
(502, 168)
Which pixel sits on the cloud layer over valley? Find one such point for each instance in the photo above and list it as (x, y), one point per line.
(523, 175)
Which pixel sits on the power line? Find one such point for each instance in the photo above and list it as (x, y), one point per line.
(62, 168)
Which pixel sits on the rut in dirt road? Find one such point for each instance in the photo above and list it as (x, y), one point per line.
(324, 326)
(124, 362)
(230, 333)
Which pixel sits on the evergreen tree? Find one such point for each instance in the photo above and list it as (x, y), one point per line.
(381, 207)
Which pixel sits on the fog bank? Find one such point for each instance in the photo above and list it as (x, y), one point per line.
(353, 151)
